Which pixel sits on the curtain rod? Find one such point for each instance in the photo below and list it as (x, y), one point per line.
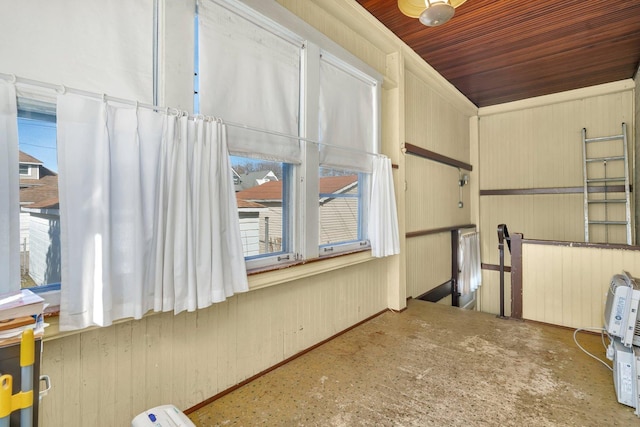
(61, 89)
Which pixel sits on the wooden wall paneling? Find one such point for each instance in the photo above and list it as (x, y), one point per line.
(195, 358)
(418, 112)
(450, 129)
(153, 357)
(138, 342)
(61, 361)
(176, 360)
(123, 373)
(432, 196)
(94, 358)
(428, 262)
(230, 333)
(542, 146)
(71, 387)
(545, 216)
(489, 292)
(217, 345)
(567, 285)
(340, 32)
(571, 285)
(309, 304)
(553, 294)
(168, 346)
(249, 350)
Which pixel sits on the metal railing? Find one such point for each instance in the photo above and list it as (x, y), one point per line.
(503, 235)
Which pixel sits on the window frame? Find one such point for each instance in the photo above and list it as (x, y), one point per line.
(362, 241)
(303, 187)
(33, 107)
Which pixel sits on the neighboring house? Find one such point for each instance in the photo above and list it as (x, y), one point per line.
(249, 214)
(338, 215)
(252, 179)
(31, 170)
(39, 220)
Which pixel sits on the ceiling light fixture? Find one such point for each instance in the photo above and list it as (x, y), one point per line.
(430, 12)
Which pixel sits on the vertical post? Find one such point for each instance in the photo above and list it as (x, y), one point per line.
(267, 249)
(6, 388)
(516, 276)
(27, 359)
(455, 300)
(503, 234)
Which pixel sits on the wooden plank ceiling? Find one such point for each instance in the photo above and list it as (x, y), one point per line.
(497, 51)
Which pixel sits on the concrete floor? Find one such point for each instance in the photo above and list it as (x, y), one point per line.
(433, 365)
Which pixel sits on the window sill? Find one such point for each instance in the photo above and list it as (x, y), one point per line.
(258, 279)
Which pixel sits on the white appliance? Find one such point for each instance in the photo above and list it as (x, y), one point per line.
(621, 309)
(162, 416)
(624, 372)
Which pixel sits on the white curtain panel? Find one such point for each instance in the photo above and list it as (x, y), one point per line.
(383, 217)
(470, 273)
(9, 194)
(96, 45)
(346, 119)
(140, 206)
(250, 75)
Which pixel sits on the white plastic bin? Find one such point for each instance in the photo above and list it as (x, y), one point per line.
(162, 416)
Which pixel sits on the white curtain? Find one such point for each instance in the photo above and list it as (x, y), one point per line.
(96, 45)
(346, 118)
(250, 74)
(470, 273)
(148, 215)
(383, 217)
(9, 194)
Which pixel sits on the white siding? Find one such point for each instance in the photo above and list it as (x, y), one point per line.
(44, 254)
(24, 231)
(249, 233)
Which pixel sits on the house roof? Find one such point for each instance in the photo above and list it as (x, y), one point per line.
(247, 204)
(273, 190)
(336, 184)
(249, 179)
(52, 203)
(27, 158)
(43, 189)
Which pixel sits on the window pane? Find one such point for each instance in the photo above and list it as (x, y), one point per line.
(261, 192)
(39, 210)
(340, 206)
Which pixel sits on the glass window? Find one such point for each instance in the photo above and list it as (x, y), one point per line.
(276, 175)
(39, 209)
(341, 202)
(263, 207)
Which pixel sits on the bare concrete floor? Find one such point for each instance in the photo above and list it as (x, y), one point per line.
(433, 365)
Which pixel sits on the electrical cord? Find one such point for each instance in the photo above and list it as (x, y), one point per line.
(575, 339)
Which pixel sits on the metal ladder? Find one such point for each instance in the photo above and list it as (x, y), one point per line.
(601, 181)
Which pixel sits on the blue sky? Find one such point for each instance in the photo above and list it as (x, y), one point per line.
(38, 138)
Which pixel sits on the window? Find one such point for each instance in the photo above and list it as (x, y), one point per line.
(39, 209)
(296, 199)
(262, 193)
(342, 222)
(24, 169)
